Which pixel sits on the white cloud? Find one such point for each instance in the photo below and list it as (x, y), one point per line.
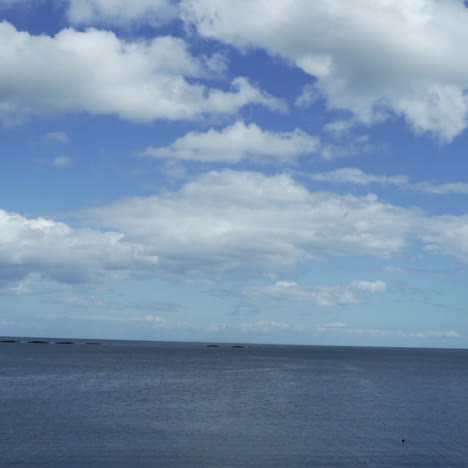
(62, 161)
(121, 12)
(156, 320)
(229, 218)
(441, 189)
(96, 72)
(333, 325)
(35, 249)
(448, 235)
(369, 286)
(354, 145)
(435, 333)
(370, 57)
(356, 176)
(310, 94)
(339, 128)
(236, 143)
(59, 137)
(328, 295)
(220, 221)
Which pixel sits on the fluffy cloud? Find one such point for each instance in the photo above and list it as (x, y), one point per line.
(220, 221)
(234, 218)
(371, 57)
(45, 249)
(230, 219)
(352, 175)
(329, 295)
(96, 72)
(235, 143)
(120, 12)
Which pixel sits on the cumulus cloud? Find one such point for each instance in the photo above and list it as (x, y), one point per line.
(236, 143)
(230, 219)
(45, 249)
(220, 221)
(233, 218)
(327, 295)
(95, 71)
(371, 57)
(121, 12)
(352, 175)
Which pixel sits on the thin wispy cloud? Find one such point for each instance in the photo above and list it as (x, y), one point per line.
(57, 137)
(353, 175)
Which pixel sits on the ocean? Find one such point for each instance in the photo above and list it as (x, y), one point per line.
(153, 404)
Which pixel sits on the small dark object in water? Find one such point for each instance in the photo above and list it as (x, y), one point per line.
(64, 342)
(39, 342)
(213, 346)
(402, 441)
(237, 346)
(9, 341)
(92, 343)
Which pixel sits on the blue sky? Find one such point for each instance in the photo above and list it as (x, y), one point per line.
(251, 171)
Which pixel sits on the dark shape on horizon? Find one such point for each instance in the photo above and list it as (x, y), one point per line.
(39, 342)
(9, 341)
(402, 441)
(93, 343)
(64, 342)
(237, 346)
(213, 346)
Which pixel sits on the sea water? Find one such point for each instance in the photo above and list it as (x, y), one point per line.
(188, 405)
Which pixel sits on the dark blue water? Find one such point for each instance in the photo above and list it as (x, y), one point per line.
(186, 405)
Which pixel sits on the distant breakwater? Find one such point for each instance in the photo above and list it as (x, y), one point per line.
(62, 342)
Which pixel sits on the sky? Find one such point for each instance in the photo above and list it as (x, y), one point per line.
(263, 171)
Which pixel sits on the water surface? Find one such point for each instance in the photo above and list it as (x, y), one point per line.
(179, 404)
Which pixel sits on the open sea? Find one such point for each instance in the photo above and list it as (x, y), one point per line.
(152, 404)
